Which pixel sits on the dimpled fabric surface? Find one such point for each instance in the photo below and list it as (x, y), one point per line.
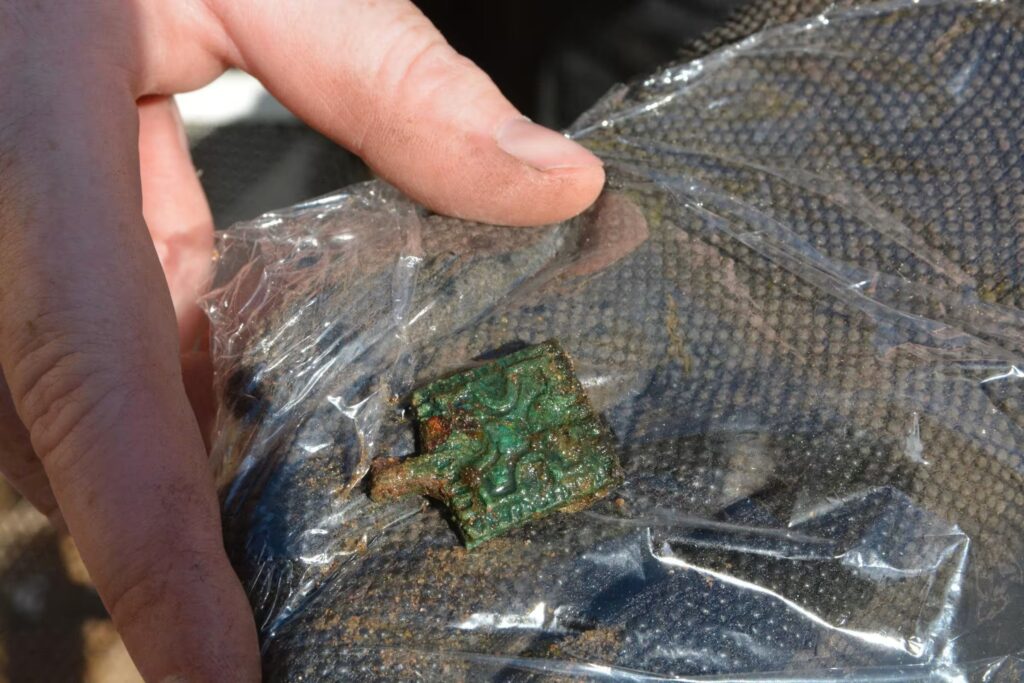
(799, 305)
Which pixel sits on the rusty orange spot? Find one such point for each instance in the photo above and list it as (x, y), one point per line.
(436, 432)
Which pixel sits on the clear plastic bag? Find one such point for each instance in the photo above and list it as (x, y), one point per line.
(800, 307)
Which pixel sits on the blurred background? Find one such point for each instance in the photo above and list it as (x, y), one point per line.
(553, 59)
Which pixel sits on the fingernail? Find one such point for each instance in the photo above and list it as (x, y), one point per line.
(542, 148)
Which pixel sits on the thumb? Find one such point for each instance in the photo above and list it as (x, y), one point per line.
(377, 77)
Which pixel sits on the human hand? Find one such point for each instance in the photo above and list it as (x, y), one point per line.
(105, 240)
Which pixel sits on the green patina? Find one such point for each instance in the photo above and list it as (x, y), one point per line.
(504, 443)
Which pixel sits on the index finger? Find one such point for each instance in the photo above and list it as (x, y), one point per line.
(88, 344)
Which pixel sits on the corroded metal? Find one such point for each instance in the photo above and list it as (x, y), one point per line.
(504, 443)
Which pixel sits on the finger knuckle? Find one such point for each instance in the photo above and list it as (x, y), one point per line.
(419, 65)
(418, 58)
(435, 72)
(425, 80)
(66, 400)
(407, 34)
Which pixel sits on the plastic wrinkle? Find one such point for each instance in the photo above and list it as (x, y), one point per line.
(871, 638)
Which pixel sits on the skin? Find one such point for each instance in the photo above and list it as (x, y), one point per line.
(105, 240)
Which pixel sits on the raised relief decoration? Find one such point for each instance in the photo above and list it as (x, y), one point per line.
(510, 441)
